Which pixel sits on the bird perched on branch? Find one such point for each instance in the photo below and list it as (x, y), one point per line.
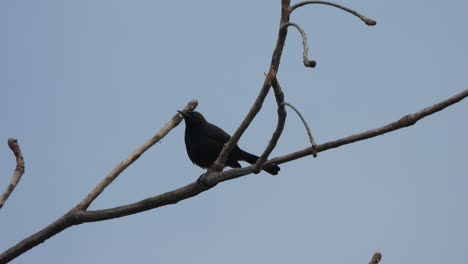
(204, 141)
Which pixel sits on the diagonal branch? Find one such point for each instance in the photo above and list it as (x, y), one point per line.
(368, 21)
(274, 66)
(279, 95)
(19, 170)
(405, 121)
(70, 218)
(195, 188)
(79, 214)
(176, 119)
(75, 217)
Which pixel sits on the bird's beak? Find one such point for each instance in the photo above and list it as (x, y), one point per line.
(182, 113)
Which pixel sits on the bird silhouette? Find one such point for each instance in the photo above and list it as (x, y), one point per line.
(204, 141)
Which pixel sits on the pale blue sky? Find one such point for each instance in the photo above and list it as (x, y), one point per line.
(84, 83)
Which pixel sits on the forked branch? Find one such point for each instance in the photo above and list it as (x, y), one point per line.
(79, 214)
(279, 95)
(195, 188)
(274, 66)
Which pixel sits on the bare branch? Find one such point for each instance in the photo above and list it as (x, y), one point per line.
(305, 45)
(368, 21)
(70, 218)
(274, 66)
(19, 170)
(76, 216)
(405, 121)
(79, 214)
(279, 95)
(176, 119)
(213, 179)
(311, 138)
(376, 258)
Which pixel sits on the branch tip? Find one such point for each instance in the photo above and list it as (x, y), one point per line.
(370, 22)
(192, 104)
(310, 63)
(376, 258)
(305, 57)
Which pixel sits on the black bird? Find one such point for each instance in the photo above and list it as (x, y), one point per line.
(204, 142)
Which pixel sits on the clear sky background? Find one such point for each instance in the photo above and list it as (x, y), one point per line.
(84, 83)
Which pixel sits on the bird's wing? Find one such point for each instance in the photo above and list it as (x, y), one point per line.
(216, 133)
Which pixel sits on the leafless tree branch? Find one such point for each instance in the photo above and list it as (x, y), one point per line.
(213, 179)
(176, 119)
(70, 219)
(405, 121)
(368, 21)
(19, 170)
(274, 66)
(309, 133)
(79, 214)
(286, 10)
(305, 57)
(279, 96)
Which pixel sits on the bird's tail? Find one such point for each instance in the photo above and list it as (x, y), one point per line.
(251, 158)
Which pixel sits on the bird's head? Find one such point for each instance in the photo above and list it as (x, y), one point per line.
(192, 117)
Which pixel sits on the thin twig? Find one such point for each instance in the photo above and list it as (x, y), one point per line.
(376, 258)
(176, 119)
(305, 45)
(368, 21)
(309, 133)
(279, 96)
(19, 170)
